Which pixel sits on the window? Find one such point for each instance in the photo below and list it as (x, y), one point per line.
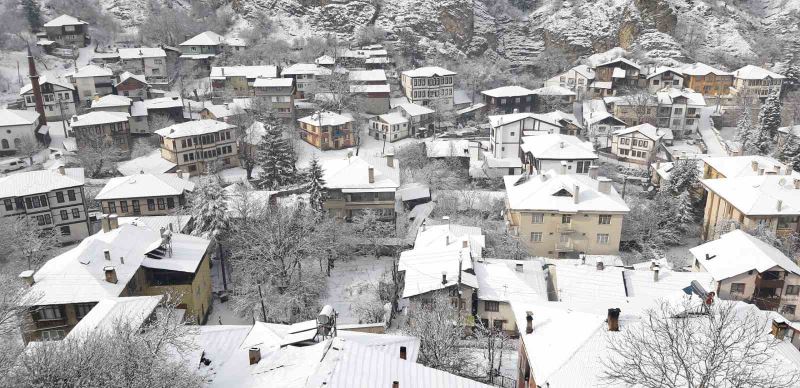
(151, 204)
(112, 207)
(123, 206)
(789, 309)
(48, 313)
(65, 231)
(498, 324)
(602, 238)
(81, 309)
(71, 195)
(170, 203)
(64, 215)
(566, 218)
(737, 288)
(583, 166)
(59, 197)
(536, 237)
(136, 209)
(537, 218)
(9, 204)
(792, 290)
(76, 213)
(604, 219)
(492, 306)
(52, 335)
(161, 204)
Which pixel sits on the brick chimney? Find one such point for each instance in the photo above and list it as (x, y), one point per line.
(37, 90)
(371, 172)
(111, 274)
(27, 276)
(528, 322)
(402, 352)
(254, 355)
(444, 277)
(613, 319)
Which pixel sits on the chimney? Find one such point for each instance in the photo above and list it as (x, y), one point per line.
(576, 194)
(779, 205)
(371, 173)
(447, 240)
(402, 352)
(656, 269)
(561, 144)
(395, 384)
(797, 184)
(787, 170)
(516, 110)
(27, 276)
(62, 170)
(563, 167)
(754, 165)
(613, 319)
(465, 244)
(107, 254)
(760, 171)
(583, 258)
(104, 223)
(519, 267)
(111, 274)
(444, 277)
(179, 173)
(113, 222)
(74, 118)
(600, 265)
(122, 259)
(37, 90)
(604, 185)
(254, 355)
(593, 172)
(779, 329)
(528, 322)
(223, 70)
(390, 160)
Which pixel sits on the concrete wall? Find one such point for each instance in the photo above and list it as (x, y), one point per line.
(582, 233)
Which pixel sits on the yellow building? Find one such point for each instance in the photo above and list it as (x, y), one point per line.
(562, 215)
(145, 194)
(120, 260)
(194, 146)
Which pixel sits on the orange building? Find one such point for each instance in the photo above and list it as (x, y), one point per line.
(328, 130)
(707, 80)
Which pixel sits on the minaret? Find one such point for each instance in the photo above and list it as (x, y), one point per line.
(37, 92)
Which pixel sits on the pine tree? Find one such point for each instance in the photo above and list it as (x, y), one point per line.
(684, 212)
(683, 177)
(32, 14)
(209, 208)
(744, 128)
(316, 185)
(769, 118)
(277, 159)
(790, 152)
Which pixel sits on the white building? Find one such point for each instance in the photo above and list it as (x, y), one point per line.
(305, 77)
(390, 127)
(150, 61)
(16, 127)
(662, 77)
(420, 118)
(428, 86)
(679, 109)
(638, 144)
(756, 81)
(599, 122)
(576, 79)
(57, 97)
(543, 152)
(507, 130)
(92, 80)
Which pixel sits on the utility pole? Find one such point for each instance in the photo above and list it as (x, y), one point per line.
(624, 185)
(63, 119)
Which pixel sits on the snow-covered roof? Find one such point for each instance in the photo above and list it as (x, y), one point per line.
(744, 165)
(197, 56)
(557, 118)
(111, 100)
(555, 192)
(508, 91)
(618, 60)
(428, 71)
(305, 68)
(145, 186)
(557, 146)
(78, 275)
(602, 85)
(37, 182)
(411, 191)
(755, 72)
(423, 269)
(584, 70)
(382, 88)
(492, 162)
(104, 317)
(737, 252)
(413, 109)
(790, 130)
(367, 76)
(699, 69)
(92, 71)
(127, 75)
(553, 90)
(448, 235)
(503, 280)
(151, 163)
(138, 109)
(273, 82)
(668, 95)
(46, 80)
(352, 174)
(444, 148)
(618, 73)
(174, 222)
(208, 38)
(98, 118)
(325, 60)
(664, 69)
(393, 118)
(193, 128)
(223, 110)
(9, 117)
(326, 118)
(141, 52)
(64, 20)
(163, 103)
(460, 97)
(645, 129)
(760, 195)
(261, 71)
(236, 42)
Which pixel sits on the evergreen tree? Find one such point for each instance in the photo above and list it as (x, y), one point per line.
(684, 212)
(790, 152)
(209, 208)
(32, 14)
(683, 177)
(744, 128)
(769, 119)
(316, 185)
(276, 158)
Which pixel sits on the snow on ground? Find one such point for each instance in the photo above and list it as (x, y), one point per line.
(369, 146)
(222, 313)
(710, 136)
(347, 277)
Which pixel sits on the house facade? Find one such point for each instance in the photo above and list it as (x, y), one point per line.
(390, 127)
(509, 99)
(16, 127)
(361, 183)
(278, 93)
(67, 31)
(563, 215)
(428, 86)
(305, 76)
(637, 144)
(679, 110)
(148, 61)
(58, 98)
(145, 194)
(576, 79)
(237, 81)
(107, 127)
(195, 145)
(756, 81)
(327, 130)
(201, 49)
(420, 118)
(132, 86)
(556, 152)
(374, 98)
(707, 80)
(92, 80)
(506, 131)
(620, 72)
(56, 200)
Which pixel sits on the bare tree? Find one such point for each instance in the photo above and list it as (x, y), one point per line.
(726, 344)
(493, 342)
(97, 155)
(29, 240)
(642, 105)
(28, 148)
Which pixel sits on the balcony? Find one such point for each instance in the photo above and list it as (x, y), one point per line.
(566, 228)
(769, 280)
(567, 246)
(767, 303)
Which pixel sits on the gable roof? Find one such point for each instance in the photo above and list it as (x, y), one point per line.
(668, 95)
(428, 71)
(744, 165)
(367, 75)
(9, 117)
(41, 181)
(558, 147)
(27, 88)
(128, 75)
(413, 109)
(584, 70)
(104, 317)
(208, 38)
(392, 118)
(699, 68)
(557, 118)
(273, 82)
(755, 72)
(111, 100)
(305, 68)
(620, 59)
(664, 69)
(508, 91)
(145, 185)
(193, 128)
(351, 175)
(325, 60)
(64, 20)
(261, 71)
(646, 129)
(326, 118)
(98, 118)
(150, 163)
(141, 52)
(92, 71)
(760, 195)
(502, 280)
(538, 192)
(553, 90)
(737, 252)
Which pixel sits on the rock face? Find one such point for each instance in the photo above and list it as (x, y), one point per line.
(655, 29)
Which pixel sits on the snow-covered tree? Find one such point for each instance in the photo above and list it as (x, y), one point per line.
(209, 208)
(769, 120)
(316, 185)
(744, 128)
(32, 14)
(276, 158)
(789, 152)
(369, 229)
(683, 177)
(24, 236)
(685, 213)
